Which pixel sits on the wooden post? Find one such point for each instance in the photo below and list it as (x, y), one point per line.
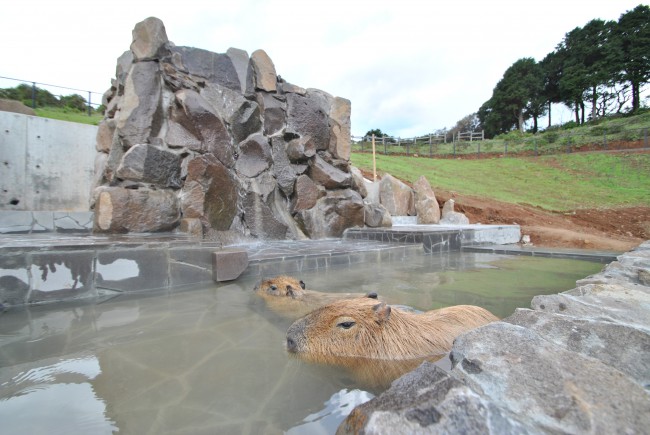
(374, 163)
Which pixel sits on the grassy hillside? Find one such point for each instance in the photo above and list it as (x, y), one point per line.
(65, 114)
(560, 182)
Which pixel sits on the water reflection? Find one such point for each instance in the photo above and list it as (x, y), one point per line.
(55, 398)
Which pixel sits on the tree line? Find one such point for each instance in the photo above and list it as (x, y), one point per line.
(38, 97)
(602, 66)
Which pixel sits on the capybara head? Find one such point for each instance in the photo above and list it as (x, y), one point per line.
(281, 286)
(366, 327)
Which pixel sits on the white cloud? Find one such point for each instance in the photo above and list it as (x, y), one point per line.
(409, 66)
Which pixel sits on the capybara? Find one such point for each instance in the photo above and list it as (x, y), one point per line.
(288, 296)
(365, 327)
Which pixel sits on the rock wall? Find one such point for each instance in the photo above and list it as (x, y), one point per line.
(577, 362)
(220, 139)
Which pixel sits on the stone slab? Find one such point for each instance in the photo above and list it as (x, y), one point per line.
(228, 264)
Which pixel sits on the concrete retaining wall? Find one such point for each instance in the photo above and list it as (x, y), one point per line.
(41, 156)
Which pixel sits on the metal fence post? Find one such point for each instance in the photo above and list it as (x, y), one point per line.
(535, 146)
(33, 95)
(430, 147)
(478, 152)
(383, 141)
(605, 138)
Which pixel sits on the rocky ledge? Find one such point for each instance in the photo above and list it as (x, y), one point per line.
(577, 362)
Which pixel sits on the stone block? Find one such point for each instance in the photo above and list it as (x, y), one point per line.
(228, 264)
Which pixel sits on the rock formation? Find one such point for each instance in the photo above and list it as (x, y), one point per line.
(219, 139)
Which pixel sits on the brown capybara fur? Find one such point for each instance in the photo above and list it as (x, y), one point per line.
(365, 327)
(288, 296)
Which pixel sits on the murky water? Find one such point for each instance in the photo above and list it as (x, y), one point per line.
(212, 360)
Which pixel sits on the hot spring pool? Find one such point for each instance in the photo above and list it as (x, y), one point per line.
(212, 359)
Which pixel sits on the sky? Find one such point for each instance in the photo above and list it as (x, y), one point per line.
(409, 67)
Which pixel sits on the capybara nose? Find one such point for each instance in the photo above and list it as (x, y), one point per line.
(291, 345)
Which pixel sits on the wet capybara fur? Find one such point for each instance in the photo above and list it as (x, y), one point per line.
(368, 328)
(287, 296)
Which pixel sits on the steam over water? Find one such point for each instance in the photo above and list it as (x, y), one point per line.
(212, 360)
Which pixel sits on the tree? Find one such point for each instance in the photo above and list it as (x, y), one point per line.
(377, 132)
(552, 67)
(632, 36)
(515, 98)
(590, 63)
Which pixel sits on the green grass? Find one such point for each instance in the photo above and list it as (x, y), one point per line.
(560, 182)
(66, 114)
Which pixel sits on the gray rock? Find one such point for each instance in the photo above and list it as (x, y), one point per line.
(197, 117)
(429, 401)
(254, 157)
(210, 193)
(306, 117)
(242, 115)
(213, 67)
(340, 144)
(358, 182)
(396, 197)
(426, 205)
(450, 216)
(149, 40)
(307, 193)
(119, 210)
(260, 219)
(547, 387)
(240, 60)
(105, 134)
(327, 175)
(332, 214)
(284, 172)
(149, 164)
(622, 347)
(275, 112)
(301, 149)
(140, 106)
(264, 77)
(604, 302)
(375, 215)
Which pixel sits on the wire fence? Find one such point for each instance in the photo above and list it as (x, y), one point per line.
(89, 101)
(473, 145)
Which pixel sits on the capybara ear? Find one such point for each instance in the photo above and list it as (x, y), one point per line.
(302, 284)
(382, 311)
(372, 295)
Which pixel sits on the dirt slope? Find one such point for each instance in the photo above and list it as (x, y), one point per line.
(608, 229)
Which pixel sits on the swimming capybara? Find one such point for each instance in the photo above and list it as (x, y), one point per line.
(365, 327)
(288, 296)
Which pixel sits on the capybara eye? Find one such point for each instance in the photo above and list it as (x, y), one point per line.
(273, 288)
(302, 284)
(346, 325)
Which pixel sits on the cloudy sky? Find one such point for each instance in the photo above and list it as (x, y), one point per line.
(409, 66)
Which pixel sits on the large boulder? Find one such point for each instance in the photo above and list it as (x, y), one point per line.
(426, 205)
(210, 193)
(138, 117)
(333, 214)
(450, 216)
(149, 164)
(579, 395)
(149, 39)
(120, 210)
(396, 197)
(264, 75)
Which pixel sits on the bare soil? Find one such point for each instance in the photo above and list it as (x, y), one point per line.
(619, 229)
